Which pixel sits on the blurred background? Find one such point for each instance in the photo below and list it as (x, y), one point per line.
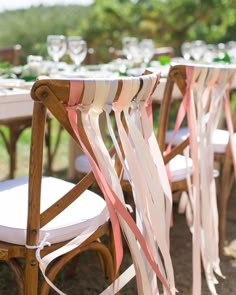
(103, 24)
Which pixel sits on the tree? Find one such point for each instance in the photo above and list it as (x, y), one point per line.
(167, 22)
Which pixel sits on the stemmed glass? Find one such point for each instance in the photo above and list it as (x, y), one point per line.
(186, 50)
(131, 48)
(146, 47)
(56, 46)
(77, 50)
(231, 50)
(198, 49)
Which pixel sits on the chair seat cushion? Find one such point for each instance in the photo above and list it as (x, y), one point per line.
(177, 167)
(82, 164)
(220, 138)
(180, 136)
(67, 225)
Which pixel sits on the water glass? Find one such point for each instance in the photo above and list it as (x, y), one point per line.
(198, 49)
(147, 49)
(186, 50)
(231, 50)
(56, 46)
(131, 48)
(34, 64)
(77, 49)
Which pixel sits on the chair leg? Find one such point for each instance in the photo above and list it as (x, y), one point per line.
(223, 197)
(13, 136)
(15, 130)
(95, 246)
(31, 274)
(48, 145)
(17, 269)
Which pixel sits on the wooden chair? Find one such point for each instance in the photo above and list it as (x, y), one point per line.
(177, 162)
(211, 81)
(91, 101)
(11, 54)
(163, 51)
(36, 211)
(90, 57)
(223, 156)
(17, 125)
(222, 152)
(163, 125)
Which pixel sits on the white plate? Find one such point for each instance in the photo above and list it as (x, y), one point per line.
(11, 83)
(135, 72)
(84, 74)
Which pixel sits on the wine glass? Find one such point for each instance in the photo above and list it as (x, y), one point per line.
(56, 46)
(146, 47)
(77, 50)
(131, 49)
(186, 50)
(231, 50)
(210, 53)
(198, 49)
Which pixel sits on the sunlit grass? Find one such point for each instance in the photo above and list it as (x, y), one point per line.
(23, 149)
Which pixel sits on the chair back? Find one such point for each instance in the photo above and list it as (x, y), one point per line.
(163, 51)
(11, 54)
(91, 57)
(176, 76)
(134, 143)
(205, 90)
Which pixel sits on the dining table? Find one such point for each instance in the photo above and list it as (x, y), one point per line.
(15, 100)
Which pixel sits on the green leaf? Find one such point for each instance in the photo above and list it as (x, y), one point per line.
(164, 60)
(225, 58)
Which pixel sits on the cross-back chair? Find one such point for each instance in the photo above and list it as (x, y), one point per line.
(17, 125)
(221, 146)
(41, 208)
(204, 89)
(177, 184)
(177, 162)
(123, 96)
(11, 54)
(43, 218)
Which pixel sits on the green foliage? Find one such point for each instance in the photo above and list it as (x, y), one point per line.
(105, 23)
(167, 22)
(30, 27)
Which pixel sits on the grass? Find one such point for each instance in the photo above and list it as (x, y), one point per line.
(60, 163)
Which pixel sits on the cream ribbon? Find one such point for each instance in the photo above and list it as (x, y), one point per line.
(149, 239)
(203, 102)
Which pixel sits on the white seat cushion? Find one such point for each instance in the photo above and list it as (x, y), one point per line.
(177, 167)
(220, 138)
(180, 136)
(82, 164)
(67, 225)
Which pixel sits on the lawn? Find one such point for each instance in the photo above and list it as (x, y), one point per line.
(60, 163)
